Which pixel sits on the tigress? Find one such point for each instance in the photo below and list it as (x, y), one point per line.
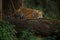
(29, 13)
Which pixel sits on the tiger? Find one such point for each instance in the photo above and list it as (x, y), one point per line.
(29, 13)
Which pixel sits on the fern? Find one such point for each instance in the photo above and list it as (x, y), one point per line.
(6, 31)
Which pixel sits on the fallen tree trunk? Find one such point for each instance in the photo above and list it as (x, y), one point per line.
(43, 27)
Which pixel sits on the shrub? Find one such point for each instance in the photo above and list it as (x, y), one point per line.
(6, 31)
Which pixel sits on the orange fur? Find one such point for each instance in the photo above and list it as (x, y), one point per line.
(28, 12)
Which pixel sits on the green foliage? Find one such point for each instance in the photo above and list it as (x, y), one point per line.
(27, 35)
(6, 31)
(52, 11)
(32, 4)
(50, 38)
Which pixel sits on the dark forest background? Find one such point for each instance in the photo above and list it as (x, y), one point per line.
(32, 29)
